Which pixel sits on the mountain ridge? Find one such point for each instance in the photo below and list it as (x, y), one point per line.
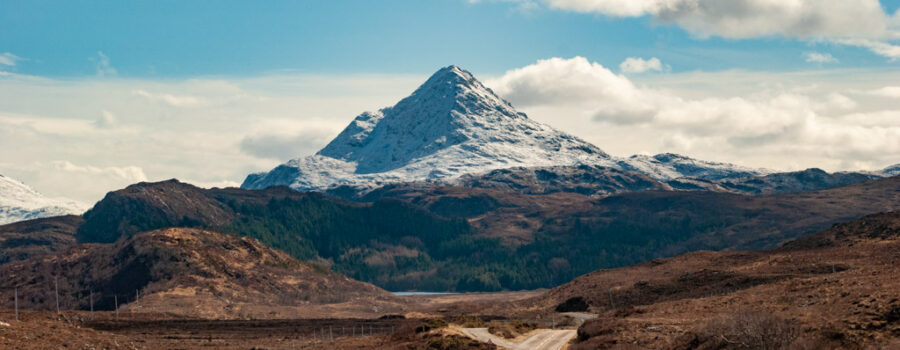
(450, 126)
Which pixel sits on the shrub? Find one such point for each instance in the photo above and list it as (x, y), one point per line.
(747, 330)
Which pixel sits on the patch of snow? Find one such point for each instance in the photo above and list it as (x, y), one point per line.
(892, 170)
(19, 202)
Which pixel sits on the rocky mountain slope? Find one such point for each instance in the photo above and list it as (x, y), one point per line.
(19, 202)
(830, 290)
(187, 272)
(451, 126)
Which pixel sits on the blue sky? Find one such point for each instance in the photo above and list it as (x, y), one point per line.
(96, 95)
(241, 38)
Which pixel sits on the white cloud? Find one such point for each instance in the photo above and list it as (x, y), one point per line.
(825, 118)
(287, 141)
(8, 59)
(879, 47)
(817, 57)
(87, 183)
(750, 18)
(640, 65)
(104, 68)
(210, 132)
(887, 91)
(779, 127)
(560, 81)
(860, 23)
(172, 100)
(129, 174)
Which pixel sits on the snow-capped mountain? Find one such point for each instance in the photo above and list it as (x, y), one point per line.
(892, 170)
(450, 126)
(19, 202)
(453, 125)
(670, 166)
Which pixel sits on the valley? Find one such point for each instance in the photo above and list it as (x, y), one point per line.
(540, 239)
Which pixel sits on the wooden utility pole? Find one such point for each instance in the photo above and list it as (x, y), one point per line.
(611, 303)
(57, 294)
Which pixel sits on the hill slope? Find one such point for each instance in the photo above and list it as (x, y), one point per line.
(187, 272)
(24, 239)
(833, 289)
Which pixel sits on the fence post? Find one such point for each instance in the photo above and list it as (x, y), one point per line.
(116, 298)
(611, 303)
(56, 289)
(92, 305)
(17, 303)
(330, 334)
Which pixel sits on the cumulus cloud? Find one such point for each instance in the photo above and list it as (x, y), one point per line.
(862, 23)
(750, 18)
(640, 65)
(817, 57)
(8, 59)
(766, 124)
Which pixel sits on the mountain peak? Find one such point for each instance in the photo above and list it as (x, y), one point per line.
(449, 126)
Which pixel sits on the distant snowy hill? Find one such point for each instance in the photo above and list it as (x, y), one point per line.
(892, 170)
(451, 126)
(19, 202)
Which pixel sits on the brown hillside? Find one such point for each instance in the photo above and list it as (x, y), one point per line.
(189, 272)
(834, 289)
(24, 239)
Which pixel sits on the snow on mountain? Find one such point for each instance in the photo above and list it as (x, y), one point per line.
(451, 126)
(669, 166)
(892, 170)
(19, 202)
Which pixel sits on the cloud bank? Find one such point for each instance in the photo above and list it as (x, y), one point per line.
(860, 23)
(80, 138)
(780, 127)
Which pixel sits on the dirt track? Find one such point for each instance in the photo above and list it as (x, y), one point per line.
(543, 339)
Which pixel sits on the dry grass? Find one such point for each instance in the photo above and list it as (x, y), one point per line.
(510, 329)
(747, 329)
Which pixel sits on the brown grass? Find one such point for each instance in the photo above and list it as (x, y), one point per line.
(510, 329)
